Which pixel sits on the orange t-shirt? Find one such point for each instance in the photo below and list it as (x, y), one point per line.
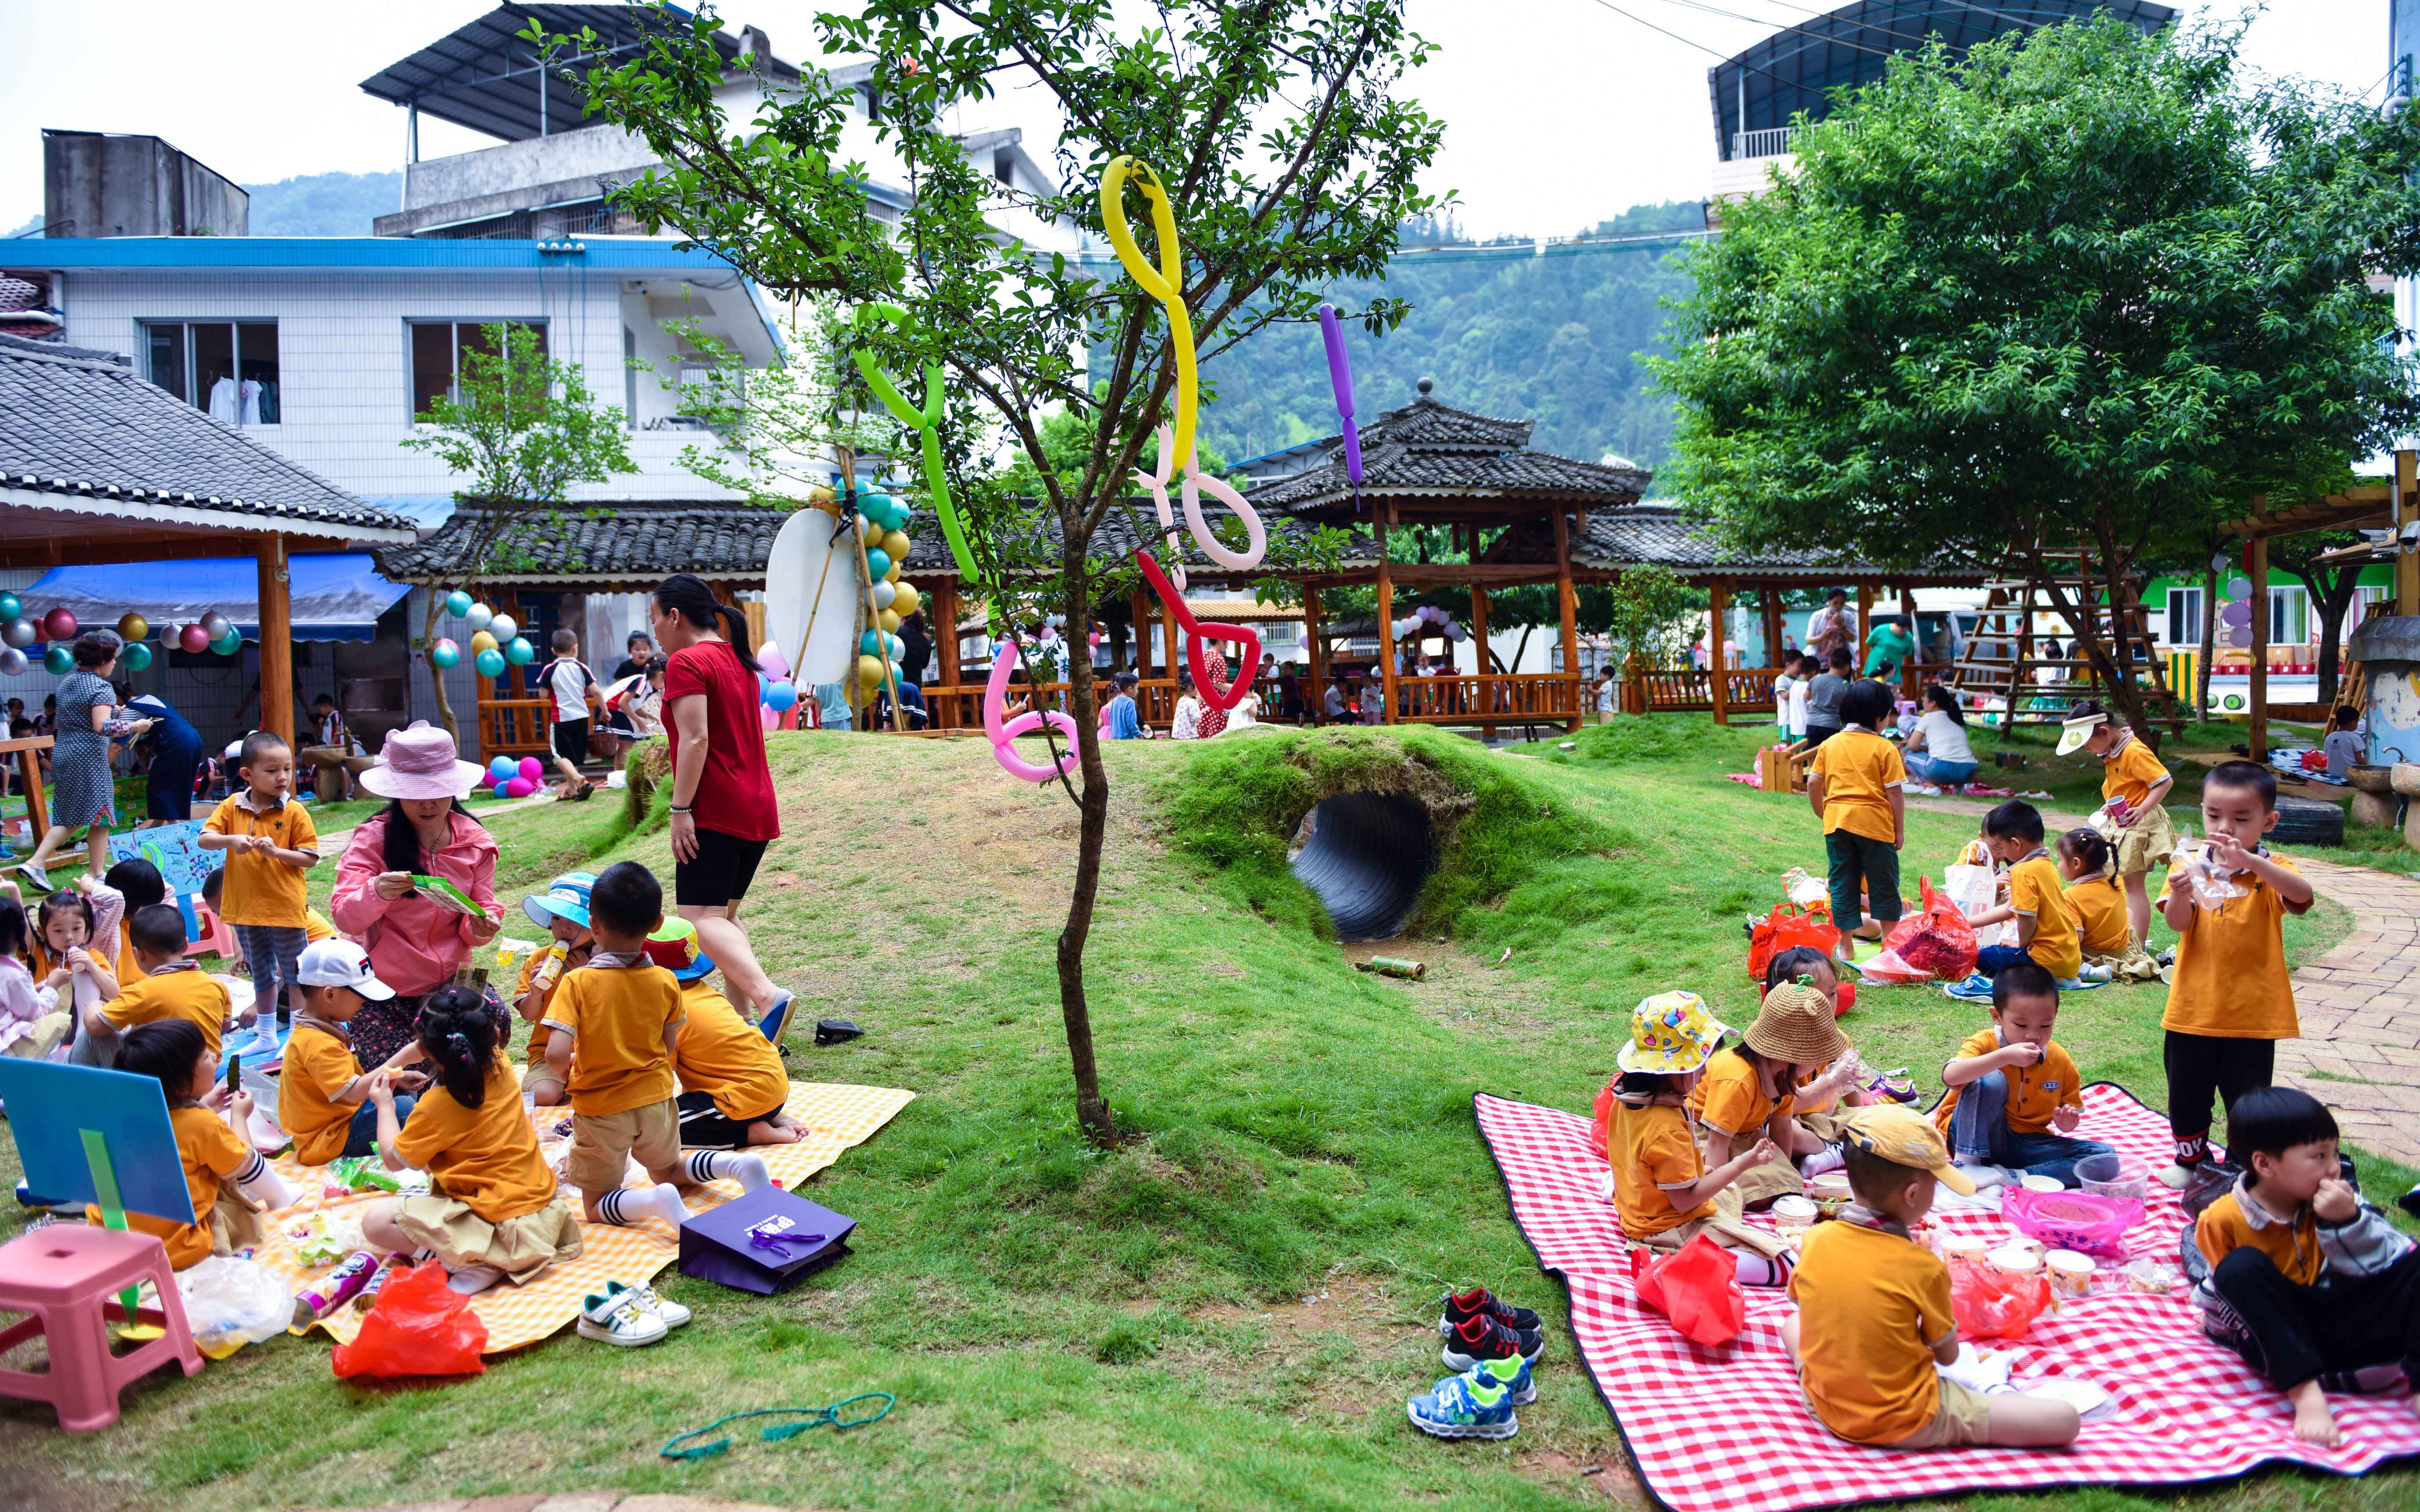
(2099, 906)
(211, 1153)
(1649, 1149)
(319, 1066)
(728, 1058)
(2033, 889)
(2230, 980)
(2292, 1246)
(2035, 1091)
(1870, 1307)
(1859, 769)
(181, 990)
(485, 1157)
(539, 1033)
(1730, 1097)
(2128, 772)
(260, 890)
(618, 1016)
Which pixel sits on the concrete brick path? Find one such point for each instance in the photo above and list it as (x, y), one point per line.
(2360, 1011)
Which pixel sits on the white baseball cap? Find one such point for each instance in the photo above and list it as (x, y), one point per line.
(340, 963)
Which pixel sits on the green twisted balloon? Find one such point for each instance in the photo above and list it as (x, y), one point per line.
(925, 422)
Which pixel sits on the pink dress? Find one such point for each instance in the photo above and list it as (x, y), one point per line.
(1213, 719)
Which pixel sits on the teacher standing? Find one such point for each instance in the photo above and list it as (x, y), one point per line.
(83, 793)
(723, 814)
(175, 756)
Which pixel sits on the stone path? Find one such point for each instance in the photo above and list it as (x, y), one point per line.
(2360, 1011)
(586, 1502)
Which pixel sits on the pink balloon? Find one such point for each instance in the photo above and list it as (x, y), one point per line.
(772, 720)
(61, 625)
(194, 639)
(1002, 736)
(519, 787)
(533, 771)
(774, 664)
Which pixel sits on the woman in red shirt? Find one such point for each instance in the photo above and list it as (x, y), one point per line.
(722, 792)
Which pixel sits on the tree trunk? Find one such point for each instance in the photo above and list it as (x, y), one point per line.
(2335, 602)
(436, 673)
(1093, 806)
(2081, 624)
(2209, 634)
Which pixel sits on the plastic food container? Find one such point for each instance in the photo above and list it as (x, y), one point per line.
(2114, 1176)
(1963, 1248)
(2042, 1183)
(1830, 1193)
(2154, 1277)
(1794, 1214)
(2071, 1274)
(2014, 1261)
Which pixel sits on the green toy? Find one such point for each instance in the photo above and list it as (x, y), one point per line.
(816, 1417)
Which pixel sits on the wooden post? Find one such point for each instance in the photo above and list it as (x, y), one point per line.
(1479, 639)
(1315, 696)
(1719, 673)
(2407, 511)
(1386, 621)
(1772, 657)
(1567, 606)
(276, 638)
(2260, 742)
(945, 629)
(1864, 627)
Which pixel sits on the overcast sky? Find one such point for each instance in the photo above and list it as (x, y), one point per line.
(1559, 113)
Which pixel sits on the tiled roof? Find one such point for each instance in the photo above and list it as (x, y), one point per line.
(1427, 448)
(1116, 537)
(78, 423)
(622, 541)
(1642, 534)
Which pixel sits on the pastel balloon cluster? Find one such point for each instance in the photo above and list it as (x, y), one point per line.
(776, 694)
(509, 779)
(496, 640)
(1430, 620)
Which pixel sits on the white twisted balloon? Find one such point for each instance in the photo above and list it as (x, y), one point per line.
(1255, 535)
(1157, 481)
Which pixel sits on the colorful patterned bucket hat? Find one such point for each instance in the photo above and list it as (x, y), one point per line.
(1670, 1033)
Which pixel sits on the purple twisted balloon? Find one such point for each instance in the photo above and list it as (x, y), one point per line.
(1340, 377)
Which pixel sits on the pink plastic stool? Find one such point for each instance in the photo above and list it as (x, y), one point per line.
(68, 1277)
(214, 935)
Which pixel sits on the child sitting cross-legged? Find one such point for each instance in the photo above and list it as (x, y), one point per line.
(2306, 1282)
(2015, 1096)
(1662, 1188)
(322, 1093)
(491, 1211)
(1753, 1090)
(167, 983)
(733, 1084)
(222, 1172)
(1874, 1321)
(2045, 920)
(2095, 897)
(561, 910)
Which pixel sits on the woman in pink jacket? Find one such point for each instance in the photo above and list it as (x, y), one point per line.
(415, 943)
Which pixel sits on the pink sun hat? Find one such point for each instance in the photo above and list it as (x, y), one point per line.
(421, 762)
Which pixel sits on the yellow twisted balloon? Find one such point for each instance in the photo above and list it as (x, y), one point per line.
(1165, 283)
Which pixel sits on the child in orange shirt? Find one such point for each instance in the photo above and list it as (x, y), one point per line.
(2015, 1096)
(1793, 1055)
(561, 910)
(2145, 835)
(1855, 789)
(322, 1093)
(170, 985)
(271, 842)
(2045, 921)
(733, 1084)
(221, 1170)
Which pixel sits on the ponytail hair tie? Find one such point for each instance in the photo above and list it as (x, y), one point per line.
(458, 1042)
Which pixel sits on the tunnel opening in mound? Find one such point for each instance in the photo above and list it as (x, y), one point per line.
(1366, 855)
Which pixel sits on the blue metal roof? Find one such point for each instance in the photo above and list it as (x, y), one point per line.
(285, 254)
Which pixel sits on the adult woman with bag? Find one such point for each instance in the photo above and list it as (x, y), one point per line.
(415, 942)
(723, 812)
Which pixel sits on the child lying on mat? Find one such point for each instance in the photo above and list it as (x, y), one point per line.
(1874, 1323)
(223, 1176)
(1661, 1187)
(733, 1084)
(2310, 1286)
(1755, 1087)
(491, 1211)
(2015, 1096)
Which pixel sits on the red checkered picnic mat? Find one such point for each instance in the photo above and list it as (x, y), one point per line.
(1727, 1430)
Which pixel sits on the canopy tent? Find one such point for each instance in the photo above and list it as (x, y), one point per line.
(338, 596)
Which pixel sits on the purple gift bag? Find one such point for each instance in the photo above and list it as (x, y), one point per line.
(763, 1243)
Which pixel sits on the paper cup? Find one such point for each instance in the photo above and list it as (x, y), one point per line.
(2014, 1261)
(1794, 1214)
(2044, 1183)
(1965, 1247)
(2071, 1274)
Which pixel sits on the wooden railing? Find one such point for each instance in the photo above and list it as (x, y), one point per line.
(1543, 697)
(1668, 690)
(516, 727)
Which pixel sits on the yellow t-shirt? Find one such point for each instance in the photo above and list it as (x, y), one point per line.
(728, 1058)
(1649, 1150)
(485, 1157)
(2099, 908)
(262, 889)
(2293, 1247)
(1870, 1307)
(2128, 772)
(211, 1153)
(2230, 980)
(1859, 769)
(2033, 889)
(319, 1066)
(2035, 1091)
(1729, 1099)
(539, 1034)
(618, 1015)
(178, 991)
(316, 927)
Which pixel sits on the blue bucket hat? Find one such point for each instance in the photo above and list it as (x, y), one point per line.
(566, 898)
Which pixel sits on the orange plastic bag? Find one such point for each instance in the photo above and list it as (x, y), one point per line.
(418, 1327)
(1936, 940)
(1988, 1306)
(1786, 927)
(1698, 1289)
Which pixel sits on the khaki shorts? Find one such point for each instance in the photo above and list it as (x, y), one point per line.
(603, 1142)
(2146, 845)
(1963, 1420)
(1724, 1229)
(521, 1247)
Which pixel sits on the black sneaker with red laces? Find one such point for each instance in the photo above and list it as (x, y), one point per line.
(1456, 1307)
(1480, 1338)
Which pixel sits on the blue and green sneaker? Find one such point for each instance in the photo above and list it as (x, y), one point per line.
(1476, 1404)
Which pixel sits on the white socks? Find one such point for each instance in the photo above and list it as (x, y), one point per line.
(627, 1206)
(715, 1164)
(1826, 1158)
(260, 1183)
(472, 1279)
(1755, 1269)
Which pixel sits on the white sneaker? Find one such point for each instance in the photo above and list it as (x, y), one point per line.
(617, 1317)
(1985, 1175)
(2177, 1178)
(672, 1313)
(2094, 973)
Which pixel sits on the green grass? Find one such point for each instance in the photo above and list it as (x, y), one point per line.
(1229, 1308)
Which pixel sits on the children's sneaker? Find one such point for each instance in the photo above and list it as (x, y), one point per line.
(1896, 1084)
(1459, 1306)
(2092, 972)
(672, 1313)
(618, 1317)
(2177, 1178)
(1476, 1404)
(1480, 1338)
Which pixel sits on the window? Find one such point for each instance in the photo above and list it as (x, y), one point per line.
(2184, 616)
(227, 367)
(629, 378)
(2289, 615)
(438, 346)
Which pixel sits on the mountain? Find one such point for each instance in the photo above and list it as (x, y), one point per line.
(1557, 339)
(314, 205)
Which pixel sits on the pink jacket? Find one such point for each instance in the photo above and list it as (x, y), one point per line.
(415, 945)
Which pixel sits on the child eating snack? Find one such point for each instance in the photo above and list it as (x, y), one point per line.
(1874, 1323)
(2132, 783)
(1752, 1089)
(221, 1171)
(561, 910)
(170, 984)
(732, 1086)
(322, 1094)
(2046, 924)
(2010, 1085)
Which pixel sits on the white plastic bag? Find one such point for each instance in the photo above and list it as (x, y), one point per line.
(1803, 890)
(230, 1303)
(1974, 889)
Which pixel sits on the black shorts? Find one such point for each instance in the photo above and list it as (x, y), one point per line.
(724, 867)
(571, 740)
(703, 1125)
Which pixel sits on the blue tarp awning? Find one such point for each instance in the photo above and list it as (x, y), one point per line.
(338, 596)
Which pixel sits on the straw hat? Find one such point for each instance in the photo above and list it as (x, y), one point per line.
(420, 762)
(1795, 1026)
(1670, 1033)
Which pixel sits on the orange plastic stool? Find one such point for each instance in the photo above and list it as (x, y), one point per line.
(68, 1277)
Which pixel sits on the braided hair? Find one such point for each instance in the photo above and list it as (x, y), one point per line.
(460, 1038)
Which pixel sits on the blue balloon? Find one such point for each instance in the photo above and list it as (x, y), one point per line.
(519, 651)
(877, 563)
(490, 663)
(503, 770)
(870, 643)
(458, 603)
(780, 697)
(877, 507)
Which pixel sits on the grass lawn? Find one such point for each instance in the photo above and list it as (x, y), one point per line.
(1229, 1309)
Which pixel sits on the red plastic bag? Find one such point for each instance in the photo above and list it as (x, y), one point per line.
(1988, 1306)
(418, 1327)
(1698, 1288)
(1785, 928)
(1601, 1131)
(1936, 940)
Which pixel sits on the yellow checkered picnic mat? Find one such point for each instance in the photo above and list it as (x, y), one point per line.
(837, 1116)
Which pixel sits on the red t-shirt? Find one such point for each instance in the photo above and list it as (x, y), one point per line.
(734, 794)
